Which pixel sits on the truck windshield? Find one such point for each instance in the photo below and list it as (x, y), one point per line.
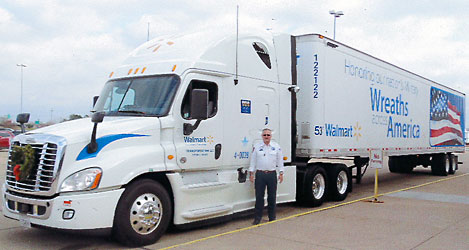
(144, 96)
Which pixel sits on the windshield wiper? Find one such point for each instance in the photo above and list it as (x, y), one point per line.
(131, 111)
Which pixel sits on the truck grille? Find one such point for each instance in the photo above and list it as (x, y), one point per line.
(42, 174)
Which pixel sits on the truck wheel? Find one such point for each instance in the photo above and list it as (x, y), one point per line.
(142, 214)
(315, 186)
(440, 164)
(339, 181)
(454, 164)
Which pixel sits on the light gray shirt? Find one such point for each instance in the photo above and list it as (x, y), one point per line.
(266, 157)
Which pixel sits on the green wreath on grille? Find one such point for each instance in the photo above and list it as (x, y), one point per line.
(22, 160)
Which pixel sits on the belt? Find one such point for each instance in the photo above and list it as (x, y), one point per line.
(266, 171)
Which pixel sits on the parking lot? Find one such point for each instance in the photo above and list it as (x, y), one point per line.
(419, 211)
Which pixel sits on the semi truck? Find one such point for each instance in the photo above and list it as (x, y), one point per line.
(171, 134)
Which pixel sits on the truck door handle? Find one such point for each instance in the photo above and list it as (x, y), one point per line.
(217, 151)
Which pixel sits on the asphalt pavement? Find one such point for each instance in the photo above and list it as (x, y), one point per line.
(418, 211)
(434, 216)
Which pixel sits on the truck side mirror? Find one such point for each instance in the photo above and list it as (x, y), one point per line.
(95, 100)
(199, 104)
(22, 119)
(199, 109)
(96, 118)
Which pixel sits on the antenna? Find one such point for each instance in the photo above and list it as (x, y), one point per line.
(148, 32)
(237, 41)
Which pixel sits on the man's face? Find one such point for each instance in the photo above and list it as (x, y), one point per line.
(266, 136)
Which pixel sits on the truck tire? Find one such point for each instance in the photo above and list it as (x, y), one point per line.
(453, 164)
(441, 164)
(339, 181)
(142, 214)
(315, 186)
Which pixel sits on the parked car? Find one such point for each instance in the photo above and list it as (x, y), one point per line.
(15, 132)
(5, 138)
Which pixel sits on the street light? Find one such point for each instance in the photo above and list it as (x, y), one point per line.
(22, 66)
(336, 14)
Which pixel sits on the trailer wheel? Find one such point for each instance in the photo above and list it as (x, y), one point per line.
(339, 182)
(441, 164)
(315, 186)
(142, 214)
(453, 164)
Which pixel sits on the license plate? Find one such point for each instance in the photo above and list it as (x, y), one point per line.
(25, 221)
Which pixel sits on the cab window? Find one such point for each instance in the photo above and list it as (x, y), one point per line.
(212, 98)
(263, 53)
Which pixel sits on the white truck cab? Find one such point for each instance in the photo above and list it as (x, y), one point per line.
(174, 143)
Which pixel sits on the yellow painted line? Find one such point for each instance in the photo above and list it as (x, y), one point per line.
(310, 212)
(425, 184)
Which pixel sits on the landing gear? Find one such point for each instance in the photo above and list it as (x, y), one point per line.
(359, 163)
(400, 164)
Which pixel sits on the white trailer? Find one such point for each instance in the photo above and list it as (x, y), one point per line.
(351, 102)
(173, 130)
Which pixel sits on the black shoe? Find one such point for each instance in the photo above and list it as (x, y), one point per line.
(272, 219)
(256, 221)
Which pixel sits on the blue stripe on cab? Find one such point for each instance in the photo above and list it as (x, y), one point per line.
(103, 142)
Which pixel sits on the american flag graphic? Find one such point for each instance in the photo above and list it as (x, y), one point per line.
(446, 119)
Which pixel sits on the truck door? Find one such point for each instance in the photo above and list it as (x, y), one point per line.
(250, 106)
(203, 147)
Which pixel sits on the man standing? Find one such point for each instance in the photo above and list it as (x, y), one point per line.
(265, 159)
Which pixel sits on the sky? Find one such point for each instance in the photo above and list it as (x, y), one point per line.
(70, 47)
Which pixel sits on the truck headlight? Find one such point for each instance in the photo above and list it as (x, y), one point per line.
(87, 179)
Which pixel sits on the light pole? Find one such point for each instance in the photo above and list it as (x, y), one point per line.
(336, 14)
(22, 66)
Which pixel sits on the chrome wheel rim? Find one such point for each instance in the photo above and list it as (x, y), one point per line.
(454, 164)
(342, 182)
(146, 213)
(319, 186)
(447, 164)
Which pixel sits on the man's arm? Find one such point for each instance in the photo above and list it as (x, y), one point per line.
(252, 164)
(280, 164)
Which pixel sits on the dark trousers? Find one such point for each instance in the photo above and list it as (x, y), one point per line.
(262, 181)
